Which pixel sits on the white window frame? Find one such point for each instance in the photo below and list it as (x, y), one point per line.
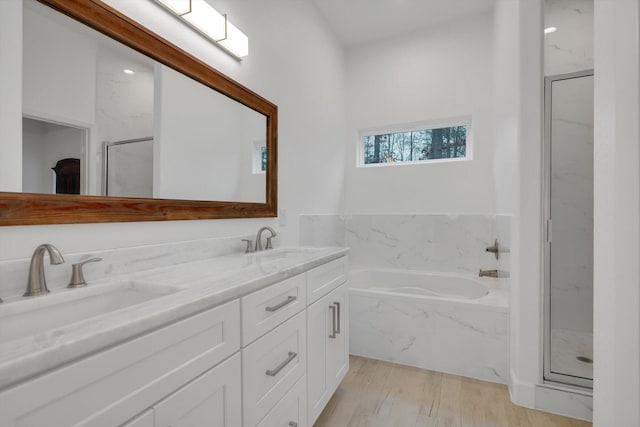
(416, 126)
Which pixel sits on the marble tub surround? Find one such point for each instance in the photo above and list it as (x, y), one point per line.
(468, 338)
(14, 273)
(426, 242)
(202, 284)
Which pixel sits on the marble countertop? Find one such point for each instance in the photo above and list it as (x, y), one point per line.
(200, 285)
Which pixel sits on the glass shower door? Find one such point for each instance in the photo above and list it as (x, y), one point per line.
(569, 239)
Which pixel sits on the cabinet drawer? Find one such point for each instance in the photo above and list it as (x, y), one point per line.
(323, 279)
(112, 386)
(271, 366)
(265, 309)
(291, 411)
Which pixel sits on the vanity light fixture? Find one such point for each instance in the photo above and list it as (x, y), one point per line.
(550, 30)
(199, 15)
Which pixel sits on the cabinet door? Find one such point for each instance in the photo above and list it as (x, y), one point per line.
(213, 400)
(327, 349)
(338, 347)
(318, 329)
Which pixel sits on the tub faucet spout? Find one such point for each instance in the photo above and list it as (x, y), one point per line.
(488, 273)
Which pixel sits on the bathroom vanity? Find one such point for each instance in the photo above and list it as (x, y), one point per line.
(239, 340)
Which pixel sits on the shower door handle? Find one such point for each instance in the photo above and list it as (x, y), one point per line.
(333, 321)
(337, 329)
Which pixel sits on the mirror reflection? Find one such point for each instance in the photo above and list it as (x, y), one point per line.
(103, 119)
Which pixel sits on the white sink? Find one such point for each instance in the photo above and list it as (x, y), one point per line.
(283, 253)
(29, 316)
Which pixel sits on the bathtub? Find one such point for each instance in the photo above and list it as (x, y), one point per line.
(451, 323)
(403, 282)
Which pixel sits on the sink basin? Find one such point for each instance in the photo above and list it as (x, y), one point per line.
(283, 253)
(30, 316)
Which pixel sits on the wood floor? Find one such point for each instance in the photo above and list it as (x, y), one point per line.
(382, 394)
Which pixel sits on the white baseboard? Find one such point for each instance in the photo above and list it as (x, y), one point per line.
(574, 403)
(522, 393)
(564, 401)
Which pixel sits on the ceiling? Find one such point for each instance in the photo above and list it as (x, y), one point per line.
(362, 21)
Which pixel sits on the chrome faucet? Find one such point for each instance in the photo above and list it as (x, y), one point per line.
(488, 273)
(37, 285)
(77, 276)
(259, 239)
(494, 249)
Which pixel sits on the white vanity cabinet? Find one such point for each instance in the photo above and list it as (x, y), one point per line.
(327, 334)
(269, 358)
(291, 372)
(112, 387)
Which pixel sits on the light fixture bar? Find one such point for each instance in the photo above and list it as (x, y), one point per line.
(200, 16)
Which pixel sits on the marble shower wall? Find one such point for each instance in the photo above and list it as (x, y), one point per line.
(429, 242)
(570, 48)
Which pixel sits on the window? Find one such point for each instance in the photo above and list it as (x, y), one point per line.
(422, 142)
(259, 157)
(263, 159)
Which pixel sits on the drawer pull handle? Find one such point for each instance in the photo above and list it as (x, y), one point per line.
(338, 322)
(333, 321)
(274, 372)
(277, 307)
(293, 424)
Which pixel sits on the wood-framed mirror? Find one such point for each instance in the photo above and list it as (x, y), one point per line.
(35, 207)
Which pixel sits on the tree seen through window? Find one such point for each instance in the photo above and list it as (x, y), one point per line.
(418, 145)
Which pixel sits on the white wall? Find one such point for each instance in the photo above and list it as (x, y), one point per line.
(34, 179)
(11, 99)
(294, 62)
(201, 142)
(518, 157)
(59, 69)
(528, 308)
(441, 72)
(617, 215)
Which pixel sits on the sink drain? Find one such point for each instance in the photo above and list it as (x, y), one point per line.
(584, 359)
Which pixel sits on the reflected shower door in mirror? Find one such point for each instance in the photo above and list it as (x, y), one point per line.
(128, 168)
(200, 144)
(569, 247)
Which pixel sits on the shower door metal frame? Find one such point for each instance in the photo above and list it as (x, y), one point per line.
(547, 237)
